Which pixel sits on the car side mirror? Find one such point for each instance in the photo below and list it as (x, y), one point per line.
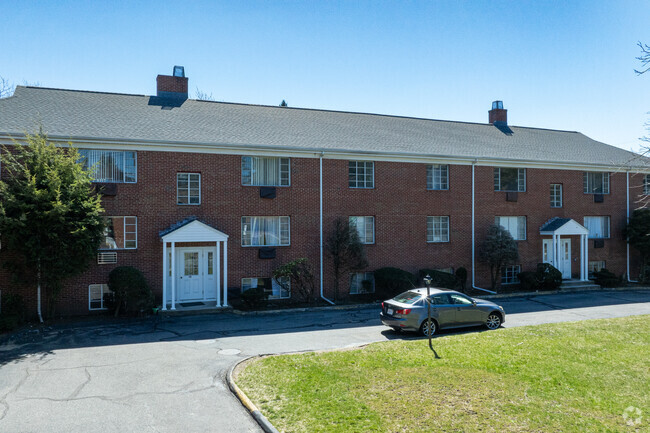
(473, 302)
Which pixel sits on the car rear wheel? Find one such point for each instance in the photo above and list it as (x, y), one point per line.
(427, 327)
(493, 321)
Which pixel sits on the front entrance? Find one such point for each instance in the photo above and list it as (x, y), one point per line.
(564, 256)
(195, 274)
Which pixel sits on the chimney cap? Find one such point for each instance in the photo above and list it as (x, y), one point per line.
(497, 105)
(179, 71)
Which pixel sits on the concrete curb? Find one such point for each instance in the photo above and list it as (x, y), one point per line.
(303, 309)
(248, 404)
(555, 292)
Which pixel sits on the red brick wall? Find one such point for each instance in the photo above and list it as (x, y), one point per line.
(399, 202)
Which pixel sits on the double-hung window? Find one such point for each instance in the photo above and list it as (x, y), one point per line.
(598, 226)
(596, 183)
(646, 184)
(437, 229)
(110, 166)
(437, 176)
(556, 195)
(362, 282)
(276, 289)
(365, 226)
(595, 266)
(361, 174)
(188, 188)
(265, 171)
(96, 295)
(516, 225)
(258, 231)
(510, 274)
(121, 232)
(509, 179)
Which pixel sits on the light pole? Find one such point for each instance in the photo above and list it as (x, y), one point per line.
(427, 281)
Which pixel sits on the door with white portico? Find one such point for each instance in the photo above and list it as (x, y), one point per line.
(190, 274)
(565, 259)
(564, 256)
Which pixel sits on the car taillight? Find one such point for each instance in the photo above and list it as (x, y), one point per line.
(382, 306)
(404, 311)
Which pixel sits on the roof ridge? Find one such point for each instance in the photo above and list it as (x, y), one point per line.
(323, 110)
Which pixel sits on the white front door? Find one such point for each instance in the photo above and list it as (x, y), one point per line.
(564, 256)
(565, 259)
(190, 281)
(547, 251)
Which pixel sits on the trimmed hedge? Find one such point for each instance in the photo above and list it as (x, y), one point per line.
(13, 312)
(131, 293)
(255, 298)
(438, 279)
(548, 277)
(390, 282)
(605, 278)
(528, 281)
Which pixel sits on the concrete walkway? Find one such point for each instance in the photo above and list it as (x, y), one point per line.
(134, 376)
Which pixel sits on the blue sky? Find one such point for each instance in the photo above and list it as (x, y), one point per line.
(555, 64)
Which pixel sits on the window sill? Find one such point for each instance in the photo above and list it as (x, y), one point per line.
(274, 186)
(438, 242)
(116, 249)
(188, 204)
(264, 246)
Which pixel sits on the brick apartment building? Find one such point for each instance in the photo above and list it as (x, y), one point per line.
(208, 198)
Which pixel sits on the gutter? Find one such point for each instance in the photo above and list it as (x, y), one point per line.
(474, 237)
(627, 240)
(320, 191)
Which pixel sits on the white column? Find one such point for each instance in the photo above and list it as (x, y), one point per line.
(217, 267)
(165, 272)
(173, 275)
(555, 255)
(225, 273)
(586, 264)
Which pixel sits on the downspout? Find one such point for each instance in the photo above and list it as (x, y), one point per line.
(321, 227)
(474, 238)
(38, 292)
(627, 240)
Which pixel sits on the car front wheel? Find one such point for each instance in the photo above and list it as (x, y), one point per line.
(493, 321)
(428, 327)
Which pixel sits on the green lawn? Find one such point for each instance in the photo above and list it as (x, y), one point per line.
(567, 377)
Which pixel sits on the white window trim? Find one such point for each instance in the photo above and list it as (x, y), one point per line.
(561, 196)
(606, 175)
(433, 234)
(365, 217)
(273, 157)
(520, 188)
(365, 274)
(124, 217)
(356, 167)
(241, 232)
(104, 290)
(516, 269)
(646, 184)
(267, 278)
(188, 190)
(431, 168)
(135, 162)
(514, 216)
(590, 267)
(609, 225)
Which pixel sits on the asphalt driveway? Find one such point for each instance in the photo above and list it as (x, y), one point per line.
(134, 376)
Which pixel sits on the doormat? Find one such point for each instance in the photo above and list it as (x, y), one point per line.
(190, 304)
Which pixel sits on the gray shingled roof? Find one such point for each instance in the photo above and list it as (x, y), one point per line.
(554, 224)
(71, 114)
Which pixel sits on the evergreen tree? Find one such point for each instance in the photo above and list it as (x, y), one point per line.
(497, 250)
(638, 233)
(346, 250)
(50, 216)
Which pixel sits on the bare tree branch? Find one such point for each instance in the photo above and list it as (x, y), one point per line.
(203, 96)
(644, 58)
(6, 88)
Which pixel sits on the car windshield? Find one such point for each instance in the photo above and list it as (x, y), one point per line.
(407, 297)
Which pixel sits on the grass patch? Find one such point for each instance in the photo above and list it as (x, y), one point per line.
(566, 377)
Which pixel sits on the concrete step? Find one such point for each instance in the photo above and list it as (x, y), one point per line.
(579, 285)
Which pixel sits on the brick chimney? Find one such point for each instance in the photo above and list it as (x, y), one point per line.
(497, 113)
(172, 86)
